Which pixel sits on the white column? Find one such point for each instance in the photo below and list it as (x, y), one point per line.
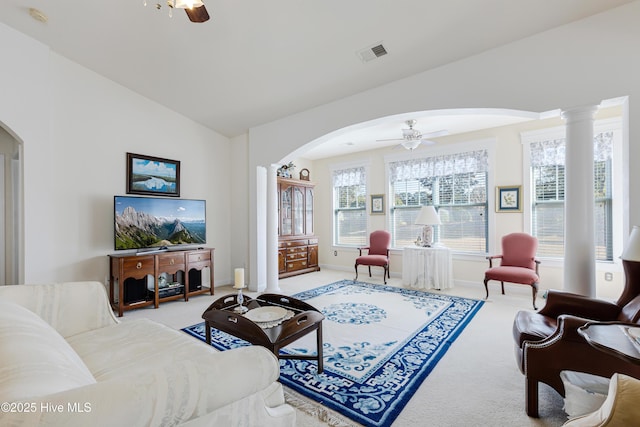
(259, 263)
(579, 240)
(272, 230)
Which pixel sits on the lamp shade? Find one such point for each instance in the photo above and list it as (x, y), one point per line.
(632, 251)
(429, 216)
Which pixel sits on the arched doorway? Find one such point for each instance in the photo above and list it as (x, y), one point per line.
(10, 209)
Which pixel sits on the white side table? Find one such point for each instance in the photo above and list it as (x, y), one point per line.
(427, 268)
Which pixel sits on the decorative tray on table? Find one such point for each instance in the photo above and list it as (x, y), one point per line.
(268, 316)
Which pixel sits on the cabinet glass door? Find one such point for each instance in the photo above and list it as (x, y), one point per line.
(298, 214)
(309, 211)
(285, 211)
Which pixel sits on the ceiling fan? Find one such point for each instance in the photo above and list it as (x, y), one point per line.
(412, 138)
(195, 9)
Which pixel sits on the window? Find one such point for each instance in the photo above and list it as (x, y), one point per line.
(456, 185)
(349, 206)
(547, 160)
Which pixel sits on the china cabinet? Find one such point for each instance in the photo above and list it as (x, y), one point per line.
(297, 244)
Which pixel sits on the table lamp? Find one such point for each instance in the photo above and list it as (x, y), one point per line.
(428, 217)
(631, 264)
(239, 284)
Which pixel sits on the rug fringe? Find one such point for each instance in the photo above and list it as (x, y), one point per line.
(317, 410)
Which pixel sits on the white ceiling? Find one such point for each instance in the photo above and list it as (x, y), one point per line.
(259, 60)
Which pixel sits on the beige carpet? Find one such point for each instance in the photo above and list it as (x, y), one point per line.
(477, 383)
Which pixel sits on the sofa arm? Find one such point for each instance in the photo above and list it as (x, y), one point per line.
(559, 303)
(170, 396)
(70, 308)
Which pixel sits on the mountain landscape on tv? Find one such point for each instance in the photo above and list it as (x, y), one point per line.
(136, 230)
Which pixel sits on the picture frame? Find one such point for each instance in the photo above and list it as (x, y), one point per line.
(149, 175)
(509, 198)
(377, 204)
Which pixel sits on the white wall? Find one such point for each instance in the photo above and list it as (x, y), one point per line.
(581, 63)
(76, 127)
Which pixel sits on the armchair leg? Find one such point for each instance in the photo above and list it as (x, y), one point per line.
(502, 284)
(369, 271)
(531, 397)
(534, 291)
(486, 287)
(356, 272)
(384, 275)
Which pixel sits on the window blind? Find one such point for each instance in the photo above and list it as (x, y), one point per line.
(548, 179)
(349, 206)
(456, 185)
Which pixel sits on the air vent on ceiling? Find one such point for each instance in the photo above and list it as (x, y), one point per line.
(372, 52)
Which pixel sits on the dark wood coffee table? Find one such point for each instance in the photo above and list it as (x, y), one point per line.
(306, 319)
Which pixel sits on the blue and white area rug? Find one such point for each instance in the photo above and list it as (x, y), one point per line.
(380, 343)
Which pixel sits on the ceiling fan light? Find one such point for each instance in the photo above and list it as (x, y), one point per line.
(188, 4)
(411, 144)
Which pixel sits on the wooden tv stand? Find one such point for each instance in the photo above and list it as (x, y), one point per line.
(129, 275)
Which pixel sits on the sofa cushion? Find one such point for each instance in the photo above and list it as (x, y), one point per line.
(133, 347)
(34, 358)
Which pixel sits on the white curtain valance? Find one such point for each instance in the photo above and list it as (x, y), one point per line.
(469, 162)
(349, 177)
(552, 152)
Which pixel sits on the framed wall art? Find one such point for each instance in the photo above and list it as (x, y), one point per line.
(377, 204)
(152, 175)
(509, 198)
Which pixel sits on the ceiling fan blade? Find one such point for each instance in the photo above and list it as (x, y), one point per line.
(435, 134)
(197, 14)
(427, 142)
(392, 139)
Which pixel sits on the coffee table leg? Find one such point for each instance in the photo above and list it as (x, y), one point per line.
(207, 328)
(319, 344)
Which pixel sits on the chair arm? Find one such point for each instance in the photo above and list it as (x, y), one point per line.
(491, 258)
(363, 248)
(559, 303)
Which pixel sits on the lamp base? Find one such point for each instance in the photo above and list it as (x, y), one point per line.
(427, 236)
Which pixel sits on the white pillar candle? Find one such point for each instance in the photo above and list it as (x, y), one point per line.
(239, 278)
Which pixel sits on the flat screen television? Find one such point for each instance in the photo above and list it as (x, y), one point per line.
(158, 223)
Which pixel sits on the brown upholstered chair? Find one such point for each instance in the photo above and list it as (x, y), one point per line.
(377, 253)
(518, 263)
(547, 342)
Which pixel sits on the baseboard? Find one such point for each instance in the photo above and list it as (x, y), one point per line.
(352, 270)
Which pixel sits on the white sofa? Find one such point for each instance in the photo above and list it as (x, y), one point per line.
(65, 360)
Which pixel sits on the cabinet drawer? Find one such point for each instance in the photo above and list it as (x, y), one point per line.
(296, 265)
(313, 241)
(200, 256)
(291, 243)
(300, 255)
(142, 265)
(297, 249)
(167, 260)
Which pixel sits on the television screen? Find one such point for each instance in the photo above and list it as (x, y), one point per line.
(154, 222)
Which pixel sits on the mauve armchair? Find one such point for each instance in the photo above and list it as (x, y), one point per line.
(518, 263)
(377, 253)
